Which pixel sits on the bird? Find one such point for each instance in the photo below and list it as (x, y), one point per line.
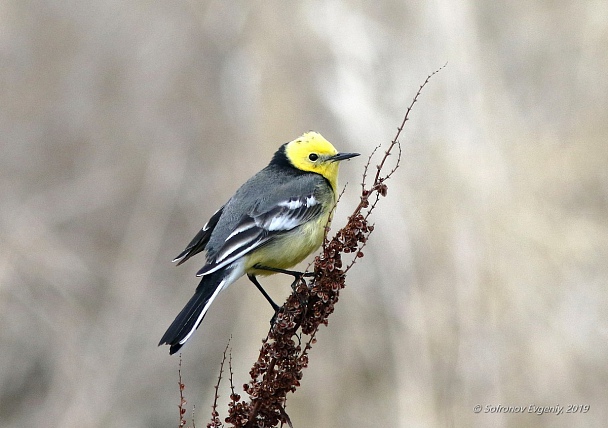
(273, 221)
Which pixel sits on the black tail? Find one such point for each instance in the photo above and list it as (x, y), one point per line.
(188, 320)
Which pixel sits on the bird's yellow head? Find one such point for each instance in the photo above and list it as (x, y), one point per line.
(313, 153)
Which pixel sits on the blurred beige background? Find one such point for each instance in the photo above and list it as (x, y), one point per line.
(124, 125)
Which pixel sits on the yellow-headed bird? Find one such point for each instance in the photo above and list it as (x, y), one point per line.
(272, 222)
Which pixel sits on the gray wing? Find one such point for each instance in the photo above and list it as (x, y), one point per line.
(199, 242)
(262, 225)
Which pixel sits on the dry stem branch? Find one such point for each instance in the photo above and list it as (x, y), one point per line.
(283, 356)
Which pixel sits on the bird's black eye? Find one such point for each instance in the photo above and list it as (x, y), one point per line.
(313, 156)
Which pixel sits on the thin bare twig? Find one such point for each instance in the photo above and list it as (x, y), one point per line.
(182, 400)
(215, 416)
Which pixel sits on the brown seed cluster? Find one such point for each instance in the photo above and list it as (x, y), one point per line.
(283, 356)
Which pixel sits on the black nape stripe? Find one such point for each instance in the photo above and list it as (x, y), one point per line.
(280, 158)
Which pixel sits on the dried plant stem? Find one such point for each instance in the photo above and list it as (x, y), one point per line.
(182, 400)
(278, 369)
(215, 416)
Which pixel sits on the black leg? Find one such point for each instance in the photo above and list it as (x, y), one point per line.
(293, 273)
(253, 279)
(296, 275)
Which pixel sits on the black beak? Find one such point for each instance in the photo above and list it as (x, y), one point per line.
(343, 156)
